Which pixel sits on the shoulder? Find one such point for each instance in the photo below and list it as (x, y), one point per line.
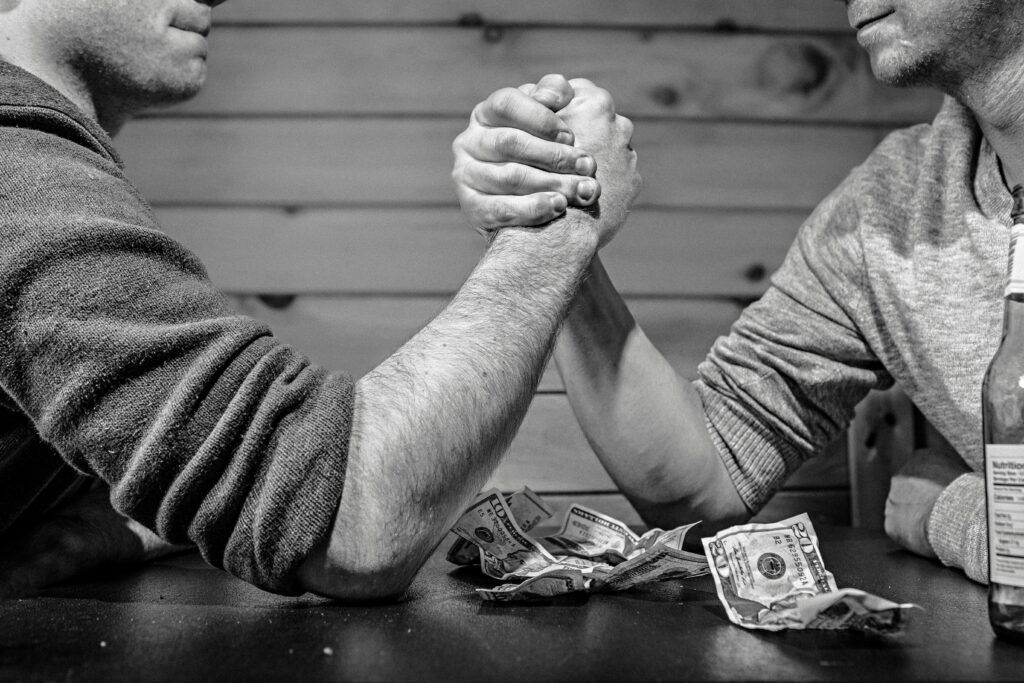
(907, 172)
(913, 162)
(39, 161)
(60, 195)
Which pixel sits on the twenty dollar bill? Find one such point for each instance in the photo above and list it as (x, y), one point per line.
(772, 576)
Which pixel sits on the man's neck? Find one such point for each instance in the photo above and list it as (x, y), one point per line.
(18, 51)
(997, 103)
(110, 118)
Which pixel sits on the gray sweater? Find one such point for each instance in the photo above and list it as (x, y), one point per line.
(896, 276)
(120, 360)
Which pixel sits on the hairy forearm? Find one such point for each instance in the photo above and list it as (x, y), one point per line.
(644, 422)
(432, 421)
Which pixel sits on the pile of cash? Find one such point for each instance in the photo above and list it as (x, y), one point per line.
(591, 552)
(771, 576)
(768, 576)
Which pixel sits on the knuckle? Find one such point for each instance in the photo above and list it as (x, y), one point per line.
(552, 78)
(627, 125)
(503, 100)
(889, 526)
(479, 112)
(498, 213)
(557, 83)
(562, 160)
(540, 210)
(463, 174)
(459, 142)
(514, 178)
(458, 176)
(603, 99)
(507, 143)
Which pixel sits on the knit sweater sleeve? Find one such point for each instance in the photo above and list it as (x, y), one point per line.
(136, 370)
(958, 528)
(786, 379)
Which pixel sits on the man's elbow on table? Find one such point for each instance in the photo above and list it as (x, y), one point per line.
(375, 573)
(374, 548)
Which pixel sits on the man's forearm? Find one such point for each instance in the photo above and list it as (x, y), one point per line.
(644, 422)
(432, 421)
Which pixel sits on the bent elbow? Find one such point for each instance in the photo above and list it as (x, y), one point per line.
(366, 579)
(362, 588)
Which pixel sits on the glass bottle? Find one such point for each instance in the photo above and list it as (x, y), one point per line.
(1002, 403)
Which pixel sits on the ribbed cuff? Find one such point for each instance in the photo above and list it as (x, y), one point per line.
(757, 460)
(957, 528)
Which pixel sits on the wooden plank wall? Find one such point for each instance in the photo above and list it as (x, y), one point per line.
(312, 174)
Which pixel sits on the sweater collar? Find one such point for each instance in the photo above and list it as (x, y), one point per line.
(994, 198)
(28, 102)
(990, 192)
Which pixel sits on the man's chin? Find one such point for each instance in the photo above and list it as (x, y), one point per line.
(897, 71)
(169, 93)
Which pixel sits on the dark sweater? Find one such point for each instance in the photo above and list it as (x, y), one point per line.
(120, 360)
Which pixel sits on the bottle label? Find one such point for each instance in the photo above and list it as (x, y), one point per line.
(1004, 487)
(1015, 282)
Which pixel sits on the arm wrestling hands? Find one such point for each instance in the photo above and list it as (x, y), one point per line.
(530, 152)
(515, 164)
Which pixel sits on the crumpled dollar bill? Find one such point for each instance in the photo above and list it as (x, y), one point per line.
(768, 576)
(771, 576)
(591, 552)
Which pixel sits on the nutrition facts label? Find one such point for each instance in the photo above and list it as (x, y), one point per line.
(1004, 482)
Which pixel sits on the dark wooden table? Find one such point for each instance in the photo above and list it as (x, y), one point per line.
(181, 620)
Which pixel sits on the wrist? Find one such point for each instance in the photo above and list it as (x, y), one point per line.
(571, 233)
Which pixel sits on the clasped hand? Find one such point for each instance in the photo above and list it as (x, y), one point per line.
(531, 152)
(83, 535)
(913, 492)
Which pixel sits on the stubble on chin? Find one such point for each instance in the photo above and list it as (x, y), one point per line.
(901, 66)
(157, 85)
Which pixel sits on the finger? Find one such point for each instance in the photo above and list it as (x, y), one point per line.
(578, 84)
(511, 145)
(553, 91)
(521, 180)
(626, 127)
(489, 212)
(530, 89)
(513, 108)
(497, 179)
(587, 92)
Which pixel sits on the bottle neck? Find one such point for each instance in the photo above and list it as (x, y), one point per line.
(1013, 312)
(1013, 316)
(1015, 277)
